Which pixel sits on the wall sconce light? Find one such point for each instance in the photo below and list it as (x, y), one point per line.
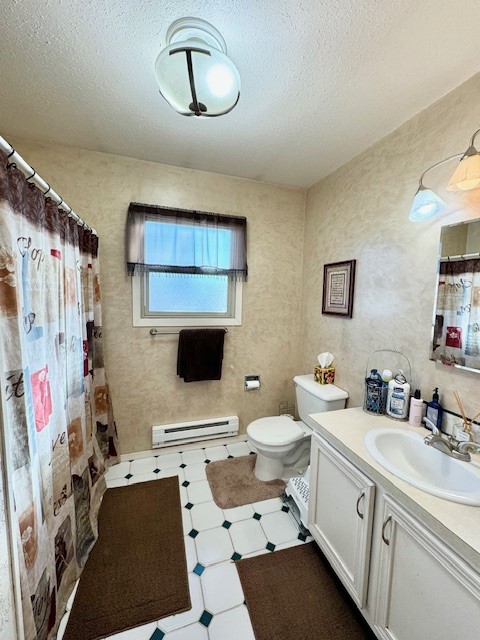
(194, 74)
(427, 203)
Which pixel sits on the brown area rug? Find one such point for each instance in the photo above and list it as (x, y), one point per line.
(233, 483)
(137, 570)
(294, 593)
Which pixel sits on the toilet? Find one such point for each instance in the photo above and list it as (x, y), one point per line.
(283, 444)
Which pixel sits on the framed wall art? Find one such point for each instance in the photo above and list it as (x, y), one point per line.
(338, 287)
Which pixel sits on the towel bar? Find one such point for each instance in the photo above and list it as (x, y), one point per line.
(156, 332)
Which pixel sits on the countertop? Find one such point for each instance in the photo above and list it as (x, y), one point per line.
(456, 524)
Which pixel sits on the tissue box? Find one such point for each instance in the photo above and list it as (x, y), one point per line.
(324, 376)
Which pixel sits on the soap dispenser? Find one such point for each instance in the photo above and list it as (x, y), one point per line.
(434, 412)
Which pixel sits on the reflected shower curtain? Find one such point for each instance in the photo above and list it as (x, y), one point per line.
(59, 429)
(456, 337)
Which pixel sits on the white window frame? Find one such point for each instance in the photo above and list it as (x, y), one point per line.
(184, 320)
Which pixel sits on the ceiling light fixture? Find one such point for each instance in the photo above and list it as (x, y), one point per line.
(427, 203)
(194, 74)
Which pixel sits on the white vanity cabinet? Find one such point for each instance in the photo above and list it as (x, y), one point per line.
(424, 589)
(340, 516)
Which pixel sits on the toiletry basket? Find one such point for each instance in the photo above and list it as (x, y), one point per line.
(375, 398)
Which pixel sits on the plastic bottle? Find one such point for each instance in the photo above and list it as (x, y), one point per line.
(398, 397)
(373, 392)
(416, 409)
(434, 411)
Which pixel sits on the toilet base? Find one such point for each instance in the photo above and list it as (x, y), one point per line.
(268, 468)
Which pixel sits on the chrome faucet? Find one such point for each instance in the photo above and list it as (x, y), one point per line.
(457, 450)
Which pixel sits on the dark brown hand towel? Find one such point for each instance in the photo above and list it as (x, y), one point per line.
(200, 354)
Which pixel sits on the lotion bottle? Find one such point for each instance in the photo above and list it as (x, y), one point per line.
(416, 409)
(398, 397)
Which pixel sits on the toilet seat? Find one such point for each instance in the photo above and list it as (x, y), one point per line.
(275, 430)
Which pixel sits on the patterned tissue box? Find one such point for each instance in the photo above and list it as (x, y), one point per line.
(324, 376)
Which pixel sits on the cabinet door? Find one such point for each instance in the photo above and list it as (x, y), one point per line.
(340, 516)
(425, 590)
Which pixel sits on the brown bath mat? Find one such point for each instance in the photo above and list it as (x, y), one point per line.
(233, 483)
(294, 593)
(137, 570)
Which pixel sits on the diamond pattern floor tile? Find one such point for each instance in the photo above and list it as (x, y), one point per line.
(238, 449)
(195, 472)
(216, 453)
(168, 473)
(199, 492)
(142, 477)
(190, 552)
(116, 482)
(239, 513)
(213, 546)
(194, 456)
(206, 516)
(188, 617)
(221, 587)
(193, 632)
(279, 527)
(144, 465)
(118, 471)
(247, 536)
(143, 632)
(268, 506)
(169, 460)
(233, 624)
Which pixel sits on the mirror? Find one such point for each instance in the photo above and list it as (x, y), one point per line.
(456, 318)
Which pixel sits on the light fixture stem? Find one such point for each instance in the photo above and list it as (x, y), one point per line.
(196, 106)
(437, 164)
(472, 141)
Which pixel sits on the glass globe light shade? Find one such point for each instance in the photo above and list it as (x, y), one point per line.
(194, 75)
(426, 204)
(467, 173)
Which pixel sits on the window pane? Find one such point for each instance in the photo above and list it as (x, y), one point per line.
(179, 293)
(187, 245)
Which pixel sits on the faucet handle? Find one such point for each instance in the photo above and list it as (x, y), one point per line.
(431, 425)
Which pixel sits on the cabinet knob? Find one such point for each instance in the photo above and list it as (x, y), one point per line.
(387, 542)
(360, 514)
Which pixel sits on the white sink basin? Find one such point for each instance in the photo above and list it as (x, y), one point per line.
(404, 454)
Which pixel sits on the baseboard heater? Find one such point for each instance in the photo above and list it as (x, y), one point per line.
(184, 432)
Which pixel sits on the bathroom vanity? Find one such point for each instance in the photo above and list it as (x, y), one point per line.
(410, 560)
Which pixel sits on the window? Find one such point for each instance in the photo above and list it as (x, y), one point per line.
(188, 266)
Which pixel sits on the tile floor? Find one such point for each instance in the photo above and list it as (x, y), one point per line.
(214, 538)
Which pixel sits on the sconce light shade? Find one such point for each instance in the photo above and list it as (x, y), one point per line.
(467, 174)
(426, 204)
(194, 74)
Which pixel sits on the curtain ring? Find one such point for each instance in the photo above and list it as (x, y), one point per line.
(31, 176)
(11, 153)
(60, 203)
(11, 164)
(49, 189)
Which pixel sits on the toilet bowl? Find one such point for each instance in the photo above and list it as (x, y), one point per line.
(283, 444)
(276, 440)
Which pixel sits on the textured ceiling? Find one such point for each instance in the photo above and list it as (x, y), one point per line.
(321, 79)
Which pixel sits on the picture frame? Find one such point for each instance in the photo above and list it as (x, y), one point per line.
(338, 288)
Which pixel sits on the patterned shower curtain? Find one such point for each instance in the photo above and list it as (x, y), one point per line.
(456, 337)
(60, 433)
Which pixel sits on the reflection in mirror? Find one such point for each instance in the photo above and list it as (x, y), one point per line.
(456, 320)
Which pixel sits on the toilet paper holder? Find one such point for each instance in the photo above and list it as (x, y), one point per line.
(251, 383)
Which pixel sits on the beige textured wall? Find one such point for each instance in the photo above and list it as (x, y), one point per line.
(361, 211)
(141, 369)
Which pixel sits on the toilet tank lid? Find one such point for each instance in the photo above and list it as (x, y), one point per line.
(326, 392)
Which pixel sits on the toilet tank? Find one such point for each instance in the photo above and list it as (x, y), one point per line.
(313, 397)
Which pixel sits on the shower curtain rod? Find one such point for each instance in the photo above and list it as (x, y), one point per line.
(32, 175)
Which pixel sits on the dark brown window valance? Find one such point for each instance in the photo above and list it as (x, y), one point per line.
(182, 241)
